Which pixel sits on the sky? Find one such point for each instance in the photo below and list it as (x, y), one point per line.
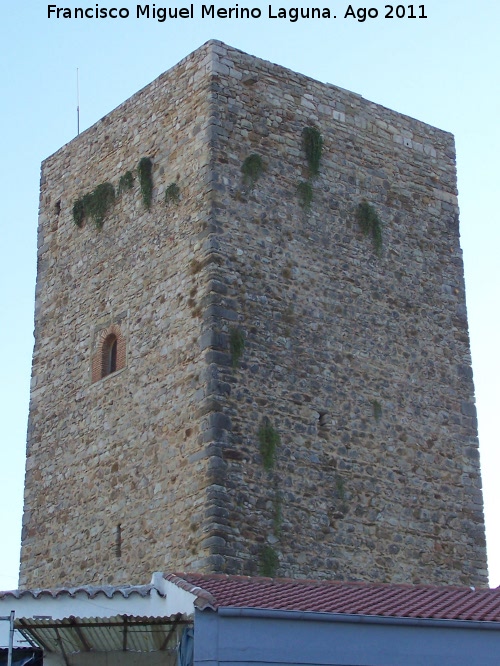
(443, 70)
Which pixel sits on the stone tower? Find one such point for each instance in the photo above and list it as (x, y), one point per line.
(247, 360)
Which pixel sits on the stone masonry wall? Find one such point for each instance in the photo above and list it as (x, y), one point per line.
(359, 361)
(112, 489)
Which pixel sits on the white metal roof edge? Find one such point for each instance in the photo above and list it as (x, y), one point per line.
(158, 599)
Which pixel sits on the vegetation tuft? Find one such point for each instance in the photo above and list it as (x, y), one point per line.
(195, 266)
(237, 345)
(94, 205)
(126, 182)
(252, 169)
(339, 487)
(312, 142)
(78, 213)
(144, 169)
(377, 410)
(269, 440)
(305, 192)
(370, 224)
(172, 194)
(269, 562)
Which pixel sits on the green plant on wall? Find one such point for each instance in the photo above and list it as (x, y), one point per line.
(94, 205)
(145, 169)
(339, 488)
(252, 169)
(195, 266)
(172, 194)
(312, 143)
(79, 212)
(268, 562)
(269, 440)
(277, 513)
(126, 182)
(377, 410)
(370, 224)
(237, 345)
(305, 192)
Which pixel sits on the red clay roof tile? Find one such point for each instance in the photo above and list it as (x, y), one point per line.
(386, 600)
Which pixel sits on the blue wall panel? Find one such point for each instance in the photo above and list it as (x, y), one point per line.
(251, 641)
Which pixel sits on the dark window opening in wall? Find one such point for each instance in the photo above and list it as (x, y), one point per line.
(323, 419)
(109, 355)
(118, 541)
(112, 356)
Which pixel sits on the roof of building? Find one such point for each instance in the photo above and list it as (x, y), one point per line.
(101, 618)
(214, 591)
(91, 591)
(340, 597)
(112, 634)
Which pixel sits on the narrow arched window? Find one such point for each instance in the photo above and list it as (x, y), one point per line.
(112, 356)
(109, 355)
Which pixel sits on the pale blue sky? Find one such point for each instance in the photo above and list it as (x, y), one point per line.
(442, 70)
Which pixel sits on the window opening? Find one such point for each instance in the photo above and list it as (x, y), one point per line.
(109, 355)
(118, 540)
(112, 356)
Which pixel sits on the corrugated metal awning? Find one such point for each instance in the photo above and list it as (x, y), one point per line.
(121, 633)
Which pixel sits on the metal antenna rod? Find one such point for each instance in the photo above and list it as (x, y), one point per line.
(77, 103)
(11, 639)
